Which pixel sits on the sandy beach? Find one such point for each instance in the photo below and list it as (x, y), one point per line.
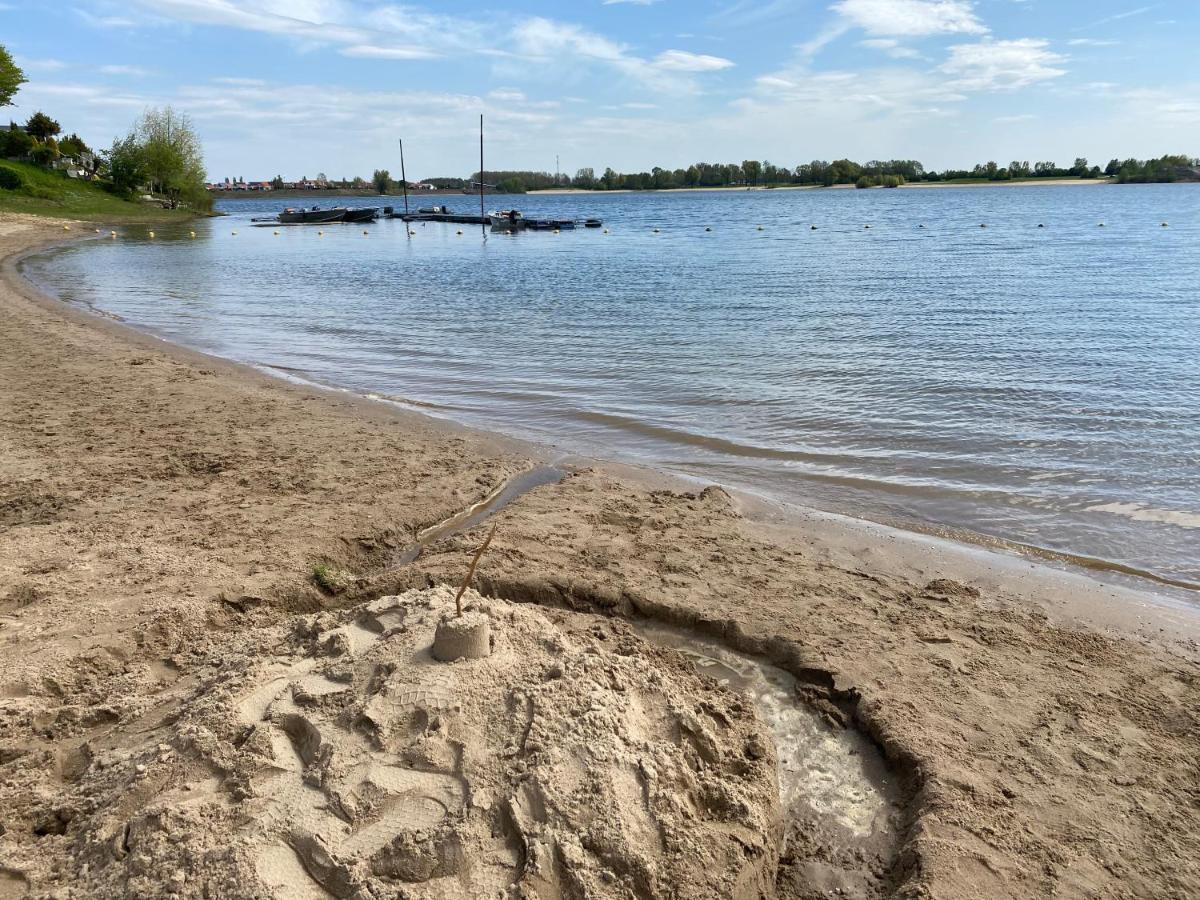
(216, 679)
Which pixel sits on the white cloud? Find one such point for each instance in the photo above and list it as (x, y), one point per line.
(105, 21)
(371, 51)
(40, 65)
(1167, 107)
(891, 47)
(1002, 65)
(914, 18)
(822, 39)
(1117, 17)
(133, 71)
(1091, 42)
(682, 61)
(546, 39)
(631, 2)
(376, 32)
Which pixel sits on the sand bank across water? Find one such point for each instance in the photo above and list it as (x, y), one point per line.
(163, 515)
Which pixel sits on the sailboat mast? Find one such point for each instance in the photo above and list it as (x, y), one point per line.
(482, 214)
(403, 180)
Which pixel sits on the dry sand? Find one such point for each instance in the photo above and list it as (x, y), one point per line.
(183, 711)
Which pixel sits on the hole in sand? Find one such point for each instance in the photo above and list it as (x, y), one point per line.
(836, 773)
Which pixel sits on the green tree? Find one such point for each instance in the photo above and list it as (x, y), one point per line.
(44, 154)
(381, 179)
(73, 145)
(173, 160)
(126, 165)
(15, 143)
(11, 78)
(752, 169)
(277, 182)
(41, 126)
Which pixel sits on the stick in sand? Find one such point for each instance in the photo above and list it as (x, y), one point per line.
(471, 571)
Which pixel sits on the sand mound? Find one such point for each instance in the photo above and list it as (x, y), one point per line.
(341, 759)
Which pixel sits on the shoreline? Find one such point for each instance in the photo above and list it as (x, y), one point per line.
(1083, 182)
(158, 498)
(1058, 582)
(1175, 595)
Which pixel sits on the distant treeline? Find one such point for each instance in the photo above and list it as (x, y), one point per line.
(876, 173)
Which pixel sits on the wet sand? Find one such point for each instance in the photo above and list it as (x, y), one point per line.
(163, 513)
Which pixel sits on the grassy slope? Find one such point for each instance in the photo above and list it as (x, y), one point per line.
(47, 193)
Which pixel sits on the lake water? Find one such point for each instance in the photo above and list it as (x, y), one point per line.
(1039, 386)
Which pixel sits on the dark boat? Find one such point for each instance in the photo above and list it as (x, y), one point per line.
(360, 215)
(592, 223)
(314, 216)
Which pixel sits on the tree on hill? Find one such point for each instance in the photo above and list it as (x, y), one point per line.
(382, 178)
(162, 151)
(126, 165)
(172, 156)
(11, 78)
(73, 145)
(15, 143)
(41, 126)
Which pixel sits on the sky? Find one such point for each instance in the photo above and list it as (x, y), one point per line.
(301, 87)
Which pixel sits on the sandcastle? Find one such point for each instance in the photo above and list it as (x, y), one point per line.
(400, 750)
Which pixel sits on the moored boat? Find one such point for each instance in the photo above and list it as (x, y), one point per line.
(363, 214)
(314, 216)
(508, 220)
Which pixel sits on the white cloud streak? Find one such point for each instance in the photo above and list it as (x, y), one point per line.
(911, 18)
(1002, 65)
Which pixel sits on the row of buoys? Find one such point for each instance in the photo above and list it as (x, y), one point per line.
(113, 234)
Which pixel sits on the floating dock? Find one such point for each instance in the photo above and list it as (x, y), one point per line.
(453, 218)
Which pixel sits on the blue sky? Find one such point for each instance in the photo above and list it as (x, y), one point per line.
(298, 87)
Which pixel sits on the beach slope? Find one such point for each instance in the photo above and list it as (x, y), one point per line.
(174, 528)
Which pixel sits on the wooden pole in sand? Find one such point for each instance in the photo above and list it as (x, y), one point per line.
(404, 184)
(482, 215)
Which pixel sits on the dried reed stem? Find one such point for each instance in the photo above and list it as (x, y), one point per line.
(471, 571)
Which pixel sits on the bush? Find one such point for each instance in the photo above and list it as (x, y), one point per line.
(10, 179)
(15, 143)
(892, 181)
(44, 154)
(864, 181)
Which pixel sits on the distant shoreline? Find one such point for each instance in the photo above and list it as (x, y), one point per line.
(1087, 182)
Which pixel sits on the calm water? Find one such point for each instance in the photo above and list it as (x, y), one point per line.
(1040, 386)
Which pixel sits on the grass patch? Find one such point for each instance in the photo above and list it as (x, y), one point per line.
(330, 579)
(42, 192)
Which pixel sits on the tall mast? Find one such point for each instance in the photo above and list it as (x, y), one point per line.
(482, 214)
(404, 182)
